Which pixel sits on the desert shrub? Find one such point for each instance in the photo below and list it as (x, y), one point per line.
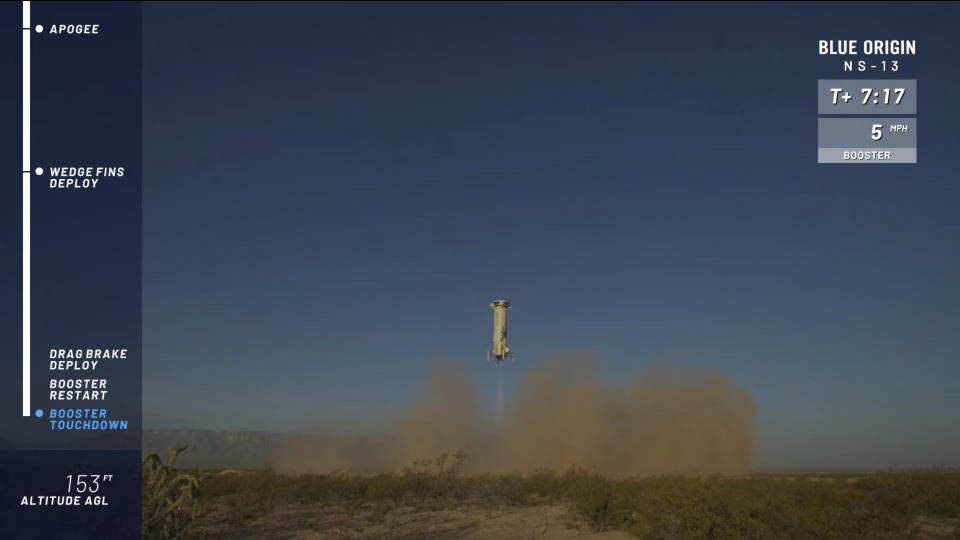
(593, 496)
(928, 493)
(446, 478)
(544, 485)
(169, 498)
(718, 507)
(254, 494)
(436, 482)
(662, 507)
(386, 490)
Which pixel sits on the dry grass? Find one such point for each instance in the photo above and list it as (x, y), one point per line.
(889, 505)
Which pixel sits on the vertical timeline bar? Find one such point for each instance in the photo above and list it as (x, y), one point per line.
(26, 172)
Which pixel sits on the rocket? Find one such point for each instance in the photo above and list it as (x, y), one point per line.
(500, 349)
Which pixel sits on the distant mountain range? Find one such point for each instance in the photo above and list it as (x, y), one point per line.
(217, 449)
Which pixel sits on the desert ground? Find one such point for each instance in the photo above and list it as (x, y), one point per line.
(433, 500)
(663, 455)
(301, 522)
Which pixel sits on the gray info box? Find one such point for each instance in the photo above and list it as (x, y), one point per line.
(867, 97)
(867, 132)
(866, 155)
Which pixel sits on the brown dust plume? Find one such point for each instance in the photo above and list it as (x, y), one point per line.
(664, 420)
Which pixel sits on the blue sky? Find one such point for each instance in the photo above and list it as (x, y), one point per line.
(334, 193)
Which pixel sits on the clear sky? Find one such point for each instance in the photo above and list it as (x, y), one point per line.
(334, 193)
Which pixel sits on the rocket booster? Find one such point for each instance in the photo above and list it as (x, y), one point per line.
(500, 348)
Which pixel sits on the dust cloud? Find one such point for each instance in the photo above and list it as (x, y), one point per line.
(663, 420)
